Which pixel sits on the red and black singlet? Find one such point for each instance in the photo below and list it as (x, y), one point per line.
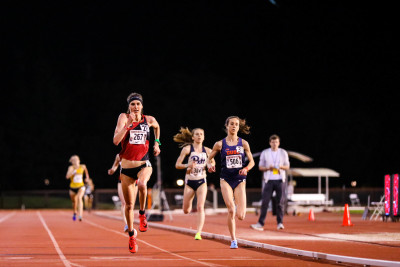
(135, 144)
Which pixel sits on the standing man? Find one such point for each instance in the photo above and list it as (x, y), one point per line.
(274, 162)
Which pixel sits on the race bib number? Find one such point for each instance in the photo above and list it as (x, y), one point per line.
(78, 178)
(137, 137)
(240, 149)
(234, 161)
(197, 171)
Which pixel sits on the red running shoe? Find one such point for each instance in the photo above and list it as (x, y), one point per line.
(143, 223)
(133, 247)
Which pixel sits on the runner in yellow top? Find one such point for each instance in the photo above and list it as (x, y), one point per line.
(75, 173)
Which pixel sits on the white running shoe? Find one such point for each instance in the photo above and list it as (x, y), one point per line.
(280, 226)
(257, 227)
(234, 244)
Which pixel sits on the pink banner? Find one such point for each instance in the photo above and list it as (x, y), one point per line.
(395, 194)
(387, 194)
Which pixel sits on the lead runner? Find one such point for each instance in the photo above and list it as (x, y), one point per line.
(133, 132)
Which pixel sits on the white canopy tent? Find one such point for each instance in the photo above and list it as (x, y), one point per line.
(308, 172)
(315, 172)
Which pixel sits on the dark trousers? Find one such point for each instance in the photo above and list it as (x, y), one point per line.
(269, 188)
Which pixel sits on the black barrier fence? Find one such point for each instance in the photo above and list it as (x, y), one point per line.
(105, 198)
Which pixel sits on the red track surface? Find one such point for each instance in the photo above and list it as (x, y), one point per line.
(371, 239)
(51, 238)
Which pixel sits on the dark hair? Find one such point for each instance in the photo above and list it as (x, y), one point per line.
(243, 127)
(134, 96)
(185, 136)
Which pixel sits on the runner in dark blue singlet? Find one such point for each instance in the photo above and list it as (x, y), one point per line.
(232, 159)
(233, 172)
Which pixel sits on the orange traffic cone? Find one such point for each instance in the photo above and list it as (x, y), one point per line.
(346, 216)
(311, 215)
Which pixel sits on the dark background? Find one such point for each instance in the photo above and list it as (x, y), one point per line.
(320, 74)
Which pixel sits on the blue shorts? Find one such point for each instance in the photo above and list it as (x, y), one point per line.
(233, 183)
(194, 184)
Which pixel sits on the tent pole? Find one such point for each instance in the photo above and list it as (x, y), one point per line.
(319, 184)
(327, 188)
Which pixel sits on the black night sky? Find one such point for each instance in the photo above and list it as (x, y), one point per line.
(320, 74)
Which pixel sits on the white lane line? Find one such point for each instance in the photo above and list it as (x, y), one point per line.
(2, 219)
(60, 254)
(131, 259)
(16, 258)
(75, 264)
(233, 259)
(153, 246)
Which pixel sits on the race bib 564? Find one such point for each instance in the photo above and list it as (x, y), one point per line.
(234, 161)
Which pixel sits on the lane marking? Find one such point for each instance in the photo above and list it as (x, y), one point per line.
(2, 219)
(132, 258)
(16, 258)
(203, 259)
(77, 265)
(233, 259)
(55, 244)
(150, 245)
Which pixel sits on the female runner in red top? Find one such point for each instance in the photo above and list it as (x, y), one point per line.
(133, 132)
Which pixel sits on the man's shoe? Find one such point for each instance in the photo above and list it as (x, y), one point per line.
(257, 227)
(280, 226)
(143, 223)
